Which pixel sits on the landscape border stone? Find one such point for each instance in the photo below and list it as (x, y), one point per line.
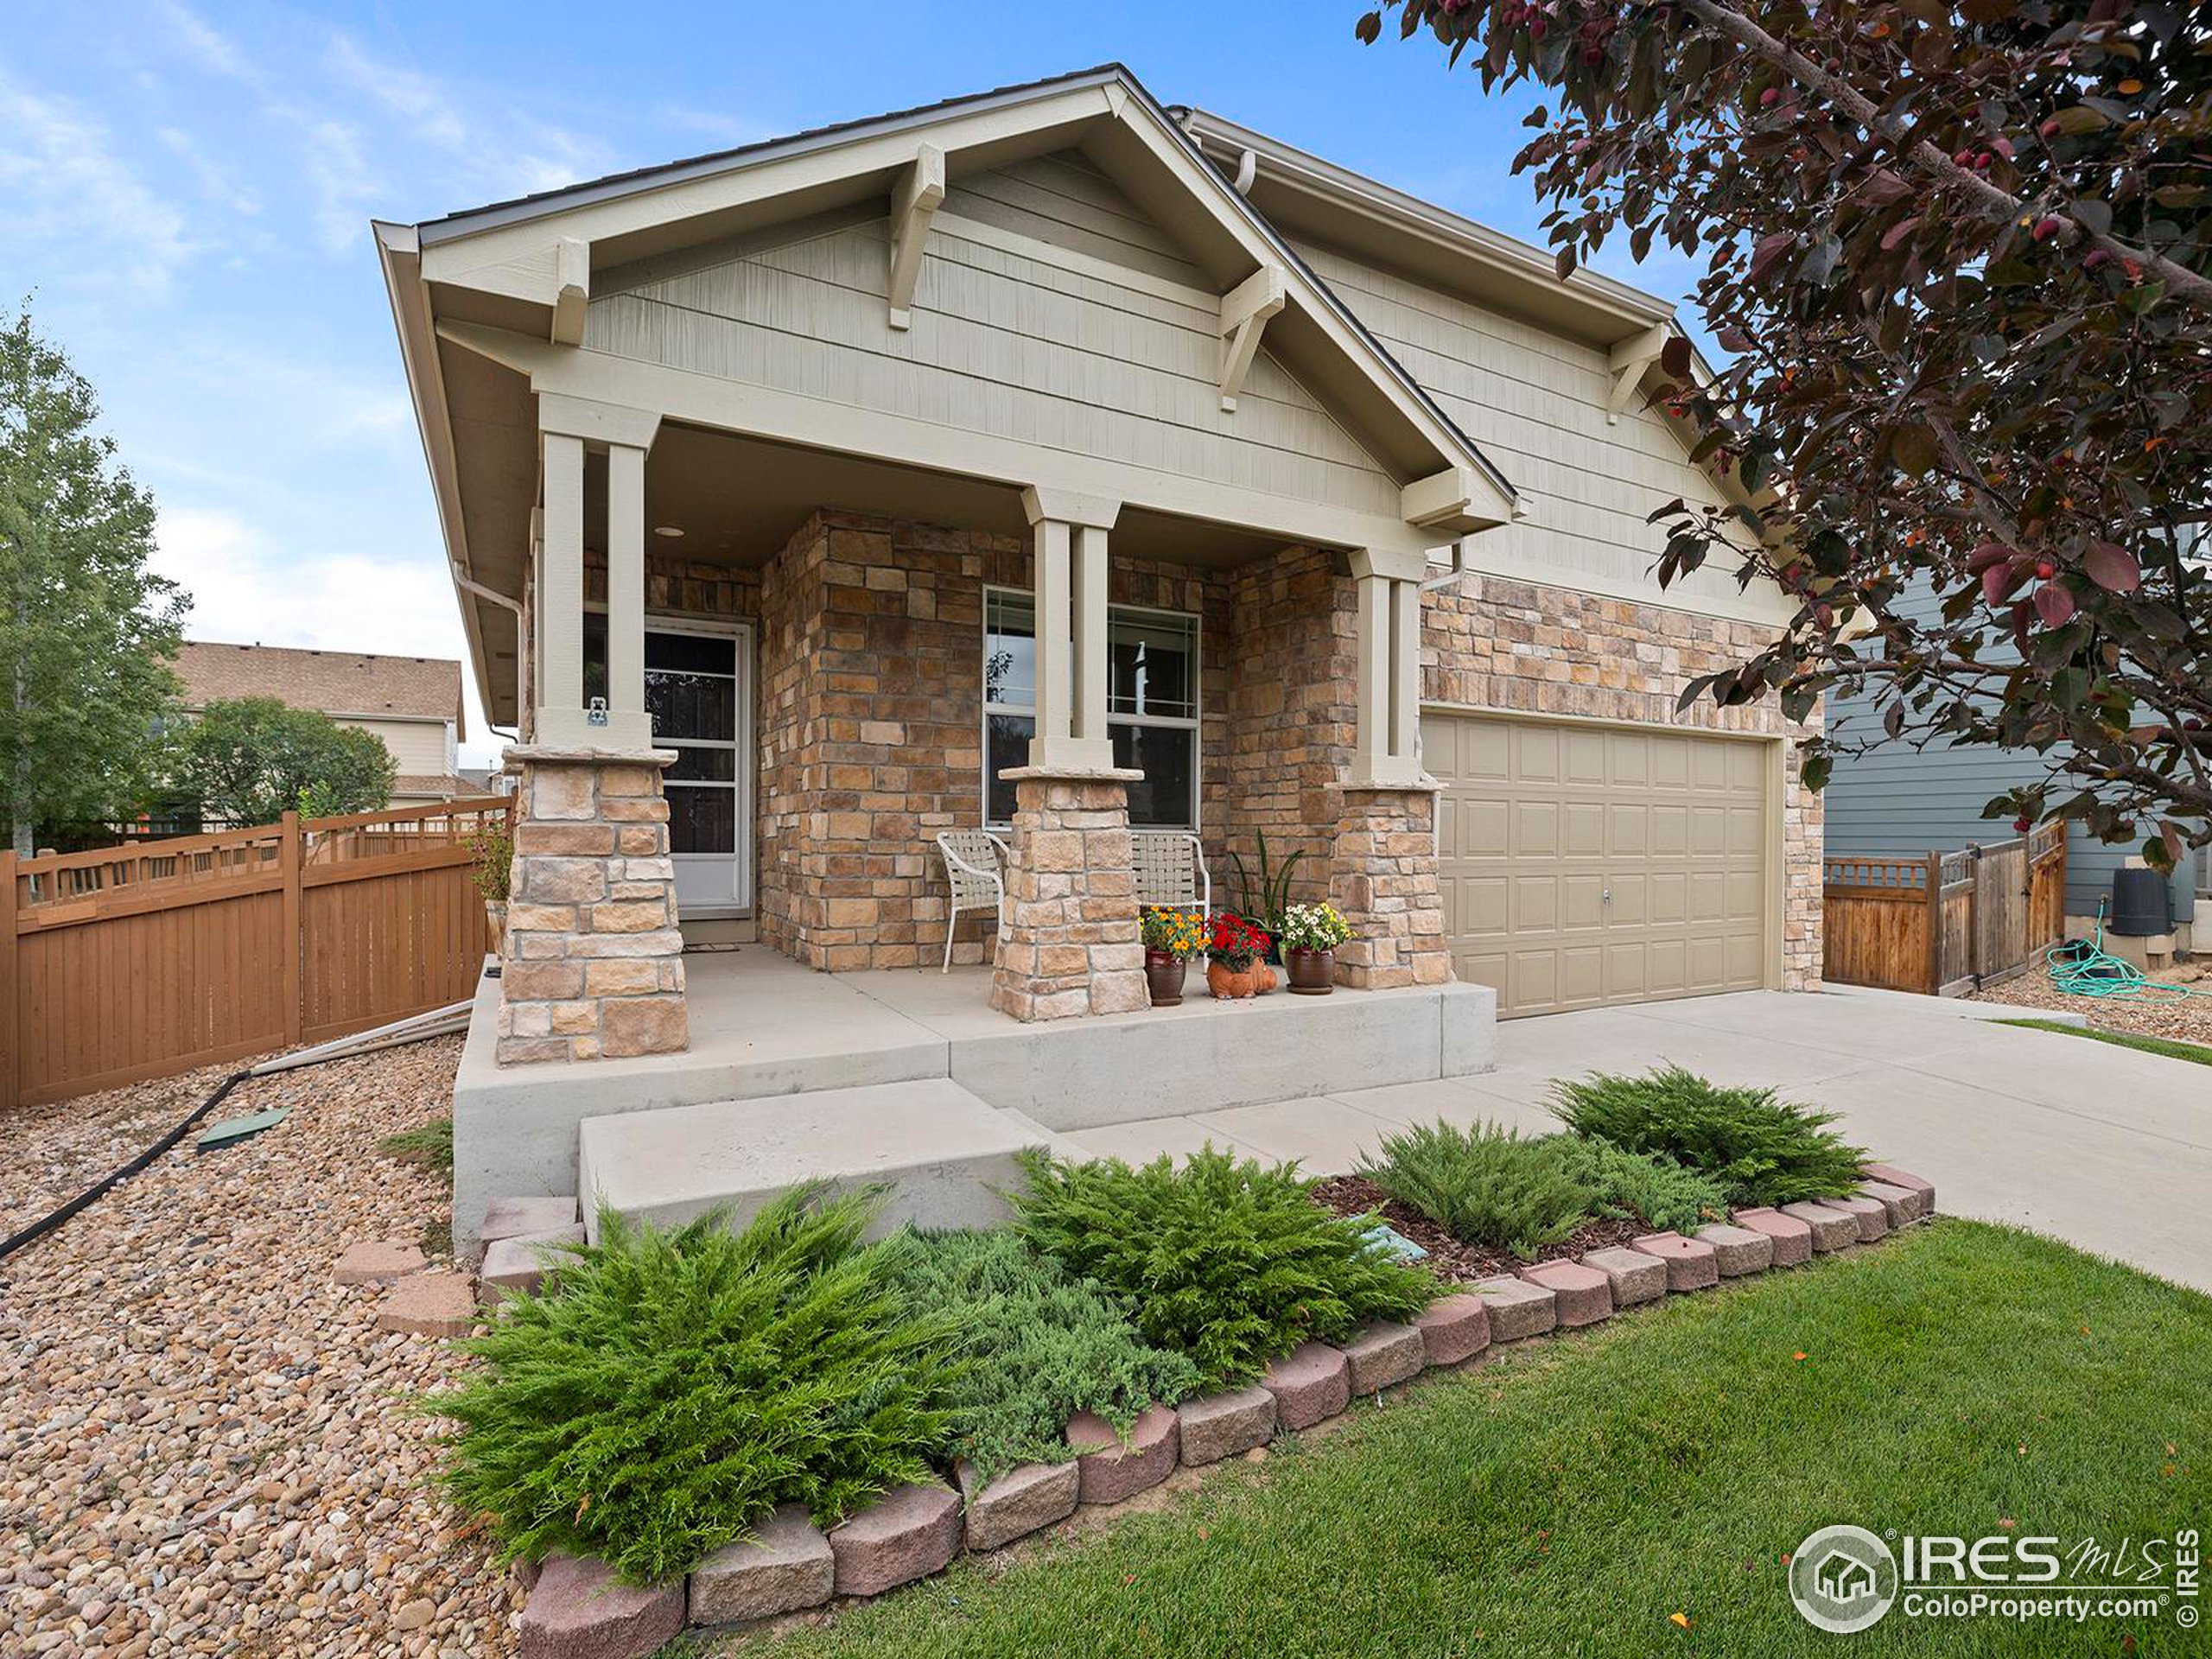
(1384, 1354)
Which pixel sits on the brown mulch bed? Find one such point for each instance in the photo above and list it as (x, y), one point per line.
(1451, 1258)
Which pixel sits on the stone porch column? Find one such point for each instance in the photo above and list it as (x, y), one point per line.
(592, 963)
(1070, 944)
(1383, 867)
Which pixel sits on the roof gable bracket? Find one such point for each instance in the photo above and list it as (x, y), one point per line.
(571, 289)
(1630, 359)
(919, 194)
(1244, 312)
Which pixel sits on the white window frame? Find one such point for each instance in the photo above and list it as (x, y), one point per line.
(1192, 723)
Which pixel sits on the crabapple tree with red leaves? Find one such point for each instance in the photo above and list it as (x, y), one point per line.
(1956, 257)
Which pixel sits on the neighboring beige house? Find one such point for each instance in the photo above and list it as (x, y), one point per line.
(413, 703)
(1054, 460)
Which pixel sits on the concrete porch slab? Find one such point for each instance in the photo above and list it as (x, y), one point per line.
(943, 1152)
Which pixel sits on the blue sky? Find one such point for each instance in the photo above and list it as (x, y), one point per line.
(185, 187)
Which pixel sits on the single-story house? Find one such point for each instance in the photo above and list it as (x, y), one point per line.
(1056, 460)
(411, 703)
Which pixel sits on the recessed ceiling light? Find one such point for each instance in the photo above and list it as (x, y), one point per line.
(670, 531)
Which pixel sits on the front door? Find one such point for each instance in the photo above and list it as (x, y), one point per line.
(697, 678)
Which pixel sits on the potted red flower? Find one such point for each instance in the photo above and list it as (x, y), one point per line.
(1234, 947)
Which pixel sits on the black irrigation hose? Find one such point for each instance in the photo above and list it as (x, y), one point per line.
(91, 1194)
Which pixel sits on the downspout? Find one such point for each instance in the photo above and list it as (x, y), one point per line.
(513, 607)
(1248, 168)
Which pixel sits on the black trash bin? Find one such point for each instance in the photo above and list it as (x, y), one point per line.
(2142, 904)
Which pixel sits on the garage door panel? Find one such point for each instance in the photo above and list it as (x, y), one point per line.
(1582, 866)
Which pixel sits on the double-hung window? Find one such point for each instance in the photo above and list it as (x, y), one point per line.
(1152, 705)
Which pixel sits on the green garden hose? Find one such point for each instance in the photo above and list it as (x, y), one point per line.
(2085, 968)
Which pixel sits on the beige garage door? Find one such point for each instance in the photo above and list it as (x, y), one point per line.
(1584, 865)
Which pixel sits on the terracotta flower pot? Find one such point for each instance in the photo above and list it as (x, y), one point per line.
(1263, 979)
(1313, 973)
(1164, 974)
(1229, 983)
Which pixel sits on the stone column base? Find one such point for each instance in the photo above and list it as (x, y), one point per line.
(1382, 879)
(592, 967)
(1069, 945)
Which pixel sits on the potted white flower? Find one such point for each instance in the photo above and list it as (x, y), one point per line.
(1311, 934)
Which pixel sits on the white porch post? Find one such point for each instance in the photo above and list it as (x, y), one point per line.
(1387, 688)
(567, 427)
(1071, 589)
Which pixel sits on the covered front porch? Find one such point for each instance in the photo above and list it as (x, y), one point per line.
(899, 1055)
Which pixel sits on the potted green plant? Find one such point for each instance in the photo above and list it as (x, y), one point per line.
(1171, 937)
(1234, 947)
(1311, 934)
(491, 866)
(1263, 900)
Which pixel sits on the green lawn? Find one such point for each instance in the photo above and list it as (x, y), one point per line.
(1571, 1497)
(2165, 1046)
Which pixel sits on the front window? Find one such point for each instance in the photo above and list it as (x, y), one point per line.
(1152, 705)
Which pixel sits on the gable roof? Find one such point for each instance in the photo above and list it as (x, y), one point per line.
(347, 684)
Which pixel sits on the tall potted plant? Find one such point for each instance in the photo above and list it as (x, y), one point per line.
(491, 866)
(1171, 937)
(1264, 900)
(1311, 934)
(1234, 947)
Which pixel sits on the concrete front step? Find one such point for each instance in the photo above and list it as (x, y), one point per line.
(944, 1152)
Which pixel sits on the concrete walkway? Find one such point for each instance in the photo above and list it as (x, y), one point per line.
(2105, 1148)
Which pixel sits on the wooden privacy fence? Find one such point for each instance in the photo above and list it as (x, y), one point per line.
(145, 960)
(1946, 924)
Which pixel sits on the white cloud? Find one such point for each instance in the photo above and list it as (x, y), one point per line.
(403, 91)
(208, 45)
(217, 182)
(345, 190)
(65, 185)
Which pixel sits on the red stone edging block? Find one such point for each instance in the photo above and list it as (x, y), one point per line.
(516, 1265)
(785, 1567)
(1113, 1473)
(909, 1533)
(1793, 1239)
(1517, 1308)
(1453, 1329)
(1740, 1250)
(1310, 1383)
(1636, 1277)
(1220, 1426)
(1692, 1264)
(430, 1305)
(1831, 1229)
(1890, 1175)
(579, 1610)
(1383, 1354)
(1018, 1503)
(1581, 1295)
(1872, 1215)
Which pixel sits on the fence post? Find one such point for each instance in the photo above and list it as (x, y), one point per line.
(11, 1017)
(294, 944)
(1935, 890)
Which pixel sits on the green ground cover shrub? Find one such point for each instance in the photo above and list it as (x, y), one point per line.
(1228, 1262)
(673, 1386)
(1039, 1345)
(429, 1145)
(1490, 1187)
(1645, 1186)
(1486, 1184)
(1762, 1148)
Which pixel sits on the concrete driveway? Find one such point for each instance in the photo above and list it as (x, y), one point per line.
(2105, 1148)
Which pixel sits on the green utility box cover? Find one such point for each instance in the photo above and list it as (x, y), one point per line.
(240, 1129)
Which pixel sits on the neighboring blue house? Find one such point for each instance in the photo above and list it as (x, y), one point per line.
(1895, 801)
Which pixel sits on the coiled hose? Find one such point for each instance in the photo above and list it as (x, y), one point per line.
(2085, 968)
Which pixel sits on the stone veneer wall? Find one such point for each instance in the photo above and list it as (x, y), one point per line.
(871, 719)
(1492, 643)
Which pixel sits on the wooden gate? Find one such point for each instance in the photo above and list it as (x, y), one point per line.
(1948, 923)
(145, 960)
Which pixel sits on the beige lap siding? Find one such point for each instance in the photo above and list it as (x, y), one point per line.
(1490, 643)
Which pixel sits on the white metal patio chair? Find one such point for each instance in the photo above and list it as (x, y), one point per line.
(974, 868)
(1171, 870)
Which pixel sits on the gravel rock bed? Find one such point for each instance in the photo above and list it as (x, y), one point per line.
(1451, 1258)
(2183, 1018)
(206, 1450)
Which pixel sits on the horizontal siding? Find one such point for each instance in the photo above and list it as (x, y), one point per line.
(1065, 200)
(418, 746)
(1535, 402)
(1001, 343)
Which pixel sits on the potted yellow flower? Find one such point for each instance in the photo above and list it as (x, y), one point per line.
(1171, 937)
(1311, 934)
